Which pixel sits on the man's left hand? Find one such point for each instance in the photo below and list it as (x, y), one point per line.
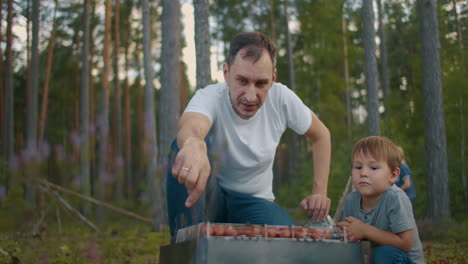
(317, 206)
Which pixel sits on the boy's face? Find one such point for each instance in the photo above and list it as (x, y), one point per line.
(372, 177)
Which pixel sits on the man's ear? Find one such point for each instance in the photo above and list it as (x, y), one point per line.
(274, 75)
(394, 176)
(225, 70)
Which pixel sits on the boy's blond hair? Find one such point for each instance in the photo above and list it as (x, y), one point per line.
(381, 149)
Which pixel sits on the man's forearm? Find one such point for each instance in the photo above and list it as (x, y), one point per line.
(321, 159)
(192, 126)
(320, 137)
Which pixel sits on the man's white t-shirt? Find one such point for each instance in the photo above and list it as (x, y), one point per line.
(245, 149)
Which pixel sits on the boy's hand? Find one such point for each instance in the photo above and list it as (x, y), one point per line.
(355, 228)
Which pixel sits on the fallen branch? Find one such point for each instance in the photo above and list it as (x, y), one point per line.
(4, 253)
(36, 227)
(76, 212)
(339, 209)
(59, 221)
(92, 200)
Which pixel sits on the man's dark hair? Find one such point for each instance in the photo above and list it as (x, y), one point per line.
(254, 43)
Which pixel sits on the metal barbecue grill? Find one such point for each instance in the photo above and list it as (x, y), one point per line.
(209, 243)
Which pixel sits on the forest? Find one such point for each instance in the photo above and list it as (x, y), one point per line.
(91, 92)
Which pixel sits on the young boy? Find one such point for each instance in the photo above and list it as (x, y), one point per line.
(378, 210)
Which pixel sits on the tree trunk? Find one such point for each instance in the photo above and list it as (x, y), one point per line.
(462, 149)
(2, 80)
(349, 113)
(169, 104)
(383, 58)
(45, 94)
(103, 119)
(8, 132)
(272, 22)
(458, 29)
(202, 43)
(118, 106)
(435, 137)
(373, 123)
(128, 124)
(292, 168)
(140, 113)
(28, 50)
(85, 184)
(31, 125)
(92, 95)
(150, 143)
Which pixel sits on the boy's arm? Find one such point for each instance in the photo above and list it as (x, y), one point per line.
(359, 230)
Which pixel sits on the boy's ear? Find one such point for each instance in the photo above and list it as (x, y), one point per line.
(394, 176)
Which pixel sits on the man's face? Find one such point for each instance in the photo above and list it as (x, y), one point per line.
(249, 83)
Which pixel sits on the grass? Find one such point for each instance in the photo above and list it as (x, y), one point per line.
(128, 241)
(122, 243)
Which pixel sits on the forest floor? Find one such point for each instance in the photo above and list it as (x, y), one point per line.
(133, 242)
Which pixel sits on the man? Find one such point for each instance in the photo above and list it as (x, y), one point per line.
(242, 120)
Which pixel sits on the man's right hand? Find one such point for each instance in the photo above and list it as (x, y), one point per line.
(192, 168)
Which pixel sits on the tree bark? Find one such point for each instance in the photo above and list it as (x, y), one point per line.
(383, 57)
(434, 122)
(103, 119)
(169, 107)
(349, 113)
(31, 124)
(169, 104)
(2, 80)
(8, 128)
(292, 168)
(373, 122)
(202, 42)
(128, 124)
(92, 96)
(45, 94)
(85, 185)
(118, 105)
(150, 143)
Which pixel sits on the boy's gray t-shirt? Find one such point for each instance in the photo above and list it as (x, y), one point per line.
(393, 213)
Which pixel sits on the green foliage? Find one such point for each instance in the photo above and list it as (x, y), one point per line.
(12, 208)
